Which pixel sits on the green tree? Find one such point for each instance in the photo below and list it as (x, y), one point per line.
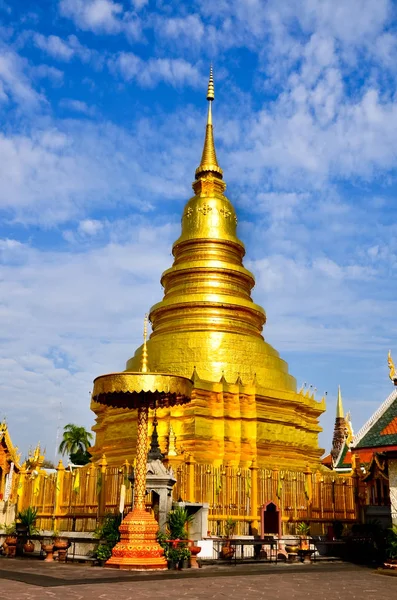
(75, 442)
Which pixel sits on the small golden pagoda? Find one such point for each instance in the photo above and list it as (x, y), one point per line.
(245, 405)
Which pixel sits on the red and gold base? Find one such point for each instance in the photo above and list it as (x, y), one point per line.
(138, 548)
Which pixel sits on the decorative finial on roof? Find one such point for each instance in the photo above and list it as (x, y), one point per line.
(339, 406)
(144, 363)
(209, 162)
(393, 372)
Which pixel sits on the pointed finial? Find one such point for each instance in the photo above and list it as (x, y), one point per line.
(144, 363)
(393, 372)
(339, 406)
(211, 90)
(209, 162)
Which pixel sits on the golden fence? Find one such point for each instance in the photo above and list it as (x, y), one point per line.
(77, 500)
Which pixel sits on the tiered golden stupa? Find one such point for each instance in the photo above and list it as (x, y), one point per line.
(245, 404)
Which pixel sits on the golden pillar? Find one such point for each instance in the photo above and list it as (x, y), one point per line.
(21, 504)
(102, 464)
(254, 498)
(190, 462)
(59, 488)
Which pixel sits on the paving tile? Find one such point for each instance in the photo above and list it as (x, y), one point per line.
(34, 580)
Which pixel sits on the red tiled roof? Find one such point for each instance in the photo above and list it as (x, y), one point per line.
(390, 428)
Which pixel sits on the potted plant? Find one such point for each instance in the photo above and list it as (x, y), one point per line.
(108, 534)
(303, 530)
(184, 559)
(178, 521)
(227, 550)
(27, 520)
(11, 539)
(391, 548)
(103, 553)
(162, 539)
(174, 557)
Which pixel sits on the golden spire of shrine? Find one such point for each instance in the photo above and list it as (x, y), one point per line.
(209, 162)
(339, 406)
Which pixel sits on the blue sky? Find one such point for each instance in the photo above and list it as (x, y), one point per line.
(102, 109)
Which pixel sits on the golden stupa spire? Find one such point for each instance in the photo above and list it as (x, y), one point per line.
(144, 363)
(339, 406)
(209, 162)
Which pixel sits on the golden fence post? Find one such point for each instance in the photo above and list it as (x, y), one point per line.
(308, 491)
(102, 464)
(254, 497)
(21, 488)
(59, 488)
(356, 488)
(190, 463)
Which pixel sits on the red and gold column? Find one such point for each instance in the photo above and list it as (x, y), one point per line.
(138, 547)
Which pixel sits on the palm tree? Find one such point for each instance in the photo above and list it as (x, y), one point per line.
(75, 439)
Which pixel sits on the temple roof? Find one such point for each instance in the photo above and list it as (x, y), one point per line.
(381, 429)
(344, 461)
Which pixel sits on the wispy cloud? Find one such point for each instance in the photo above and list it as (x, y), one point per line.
(102, 16)
(78, 106)
(175, 72)
(62, 49)
(15, 85)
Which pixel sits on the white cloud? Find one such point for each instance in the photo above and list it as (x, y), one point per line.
(14, 84)
(90, 227)
(59, 171)
(98, 15)
(46, 72)
(101, 16)
(78, 106)
(187, 30)
(54, 46)
(148, 73)
(63, 49)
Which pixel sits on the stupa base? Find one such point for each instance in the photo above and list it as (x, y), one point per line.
(138, 548)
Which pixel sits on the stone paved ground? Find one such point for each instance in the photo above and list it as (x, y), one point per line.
(34, 580)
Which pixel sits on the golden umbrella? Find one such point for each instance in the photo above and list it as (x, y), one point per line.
(138, 548)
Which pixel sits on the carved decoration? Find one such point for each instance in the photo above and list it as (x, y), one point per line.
(205, 209)
(225, 213)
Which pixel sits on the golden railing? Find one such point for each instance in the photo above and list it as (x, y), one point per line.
(77, 500)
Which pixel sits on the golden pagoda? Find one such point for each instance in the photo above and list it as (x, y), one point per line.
(245, 405)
